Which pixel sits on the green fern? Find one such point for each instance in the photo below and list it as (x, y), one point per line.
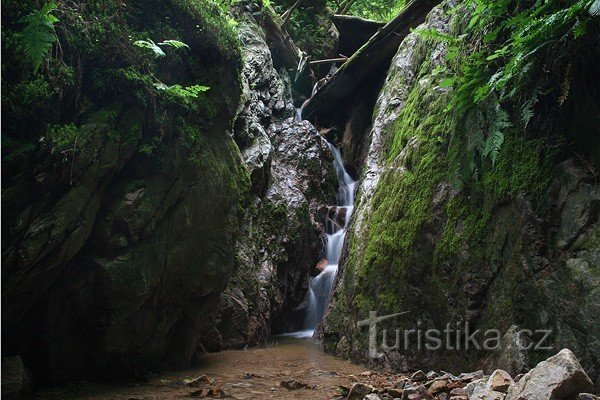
(149, 44)
(158, 52)
(174, 43)
(39, 34)
(184, 92)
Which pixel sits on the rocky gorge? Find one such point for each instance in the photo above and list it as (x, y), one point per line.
(146, 228)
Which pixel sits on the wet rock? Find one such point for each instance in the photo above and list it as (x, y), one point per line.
(418, 376)
(217, 393)
(344, 390)
(470, 376)
(587, 396)
(559, 377)
(401, 384)
(416, 393)
(432, 375)
(444, 385)
(458, 392)
(322, 264)
(293, 384)
(359, 391)
(16, 379)
(438, 386)
(394, 392)
(202, 379)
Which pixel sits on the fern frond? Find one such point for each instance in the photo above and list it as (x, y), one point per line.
(149, 44)
(174, 43)
(39, 34)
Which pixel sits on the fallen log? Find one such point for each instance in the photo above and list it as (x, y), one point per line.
(328, 61)
(284, 51)
(354, 32)
(373, 58)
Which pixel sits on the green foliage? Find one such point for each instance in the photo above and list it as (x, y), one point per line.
(181, 91)
(149, 44)
(174, 43)
(62, 138)
(39, 34)
(513, 44)
(497, 57)
(158, 52)
(382, 10)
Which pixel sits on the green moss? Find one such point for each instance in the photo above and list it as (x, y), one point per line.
(522, 168)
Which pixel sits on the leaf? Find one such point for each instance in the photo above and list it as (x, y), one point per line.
(174, 43)
(149, 44)
(451, 53)
(39, 34)
(447, 82)
(184, 92)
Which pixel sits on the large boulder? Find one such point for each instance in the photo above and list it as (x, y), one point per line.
(559, 377)
(515, 249)
(120, 221)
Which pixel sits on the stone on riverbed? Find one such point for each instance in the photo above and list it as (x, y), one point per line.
(359, 391)
(292, 384)
(559, 377)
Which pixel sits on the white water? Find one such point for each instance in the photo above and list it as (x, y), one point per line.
(321, 286)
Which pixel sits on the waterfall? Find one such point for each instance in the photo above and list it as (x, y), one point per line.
(321, 286)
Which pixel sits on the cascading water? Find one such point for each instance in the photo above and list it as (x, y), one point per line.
(321, 286)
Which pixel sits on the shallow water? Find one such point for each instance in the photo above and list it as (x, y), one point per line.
(242, 374)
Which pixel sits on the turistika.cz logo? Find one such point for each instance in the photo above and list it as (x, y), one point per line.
(453, 337)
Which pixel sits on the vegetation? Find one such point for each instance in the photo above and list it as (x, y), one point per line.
(65, 62)
(39, 34)
(497, 58)
(381, 10)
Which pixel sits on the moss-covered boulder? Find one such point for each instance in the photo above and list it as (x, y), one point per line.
(515, 248)
(122, 187)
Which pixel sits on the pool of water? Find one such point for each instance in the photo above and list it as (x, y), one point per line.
(255, 373)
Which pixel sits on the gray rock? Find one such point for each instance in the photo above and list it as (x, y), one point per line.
(559, 377)
(587, 396)
(359, 390)
(499, 381)
(471, 376)
(418, 376)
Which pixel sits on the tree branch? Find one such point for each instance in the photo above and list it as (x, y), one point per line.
(288, 14)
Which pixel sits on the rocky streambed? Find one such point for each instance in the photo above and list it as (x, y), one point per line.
(299, 369)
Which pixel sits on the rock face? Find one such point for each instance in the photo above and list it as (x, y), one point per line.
(515, 251)
(16, 379)
(293, 179)
(118, 244)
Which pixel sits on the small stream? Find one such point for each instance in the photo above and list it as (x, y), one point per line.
(336, 224)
